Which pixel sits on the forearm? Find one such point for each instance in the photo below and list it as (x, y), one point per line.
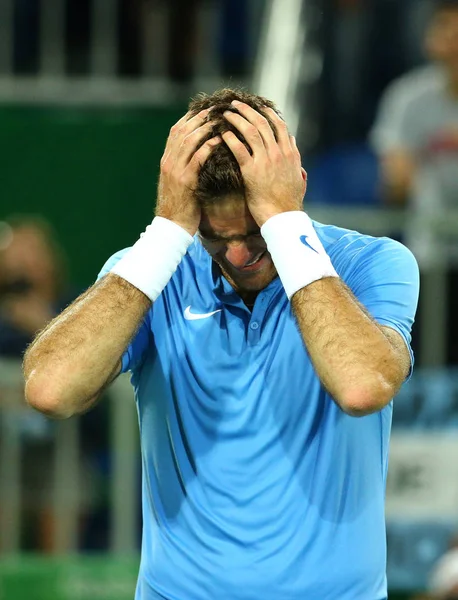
(353, 358)
(73, 358)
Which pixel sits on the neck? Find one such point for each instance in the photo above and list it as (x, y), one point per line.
(248, 296)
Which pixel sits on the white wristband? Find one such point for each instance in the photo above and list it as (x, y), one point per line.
(154, 258)
(296, 250)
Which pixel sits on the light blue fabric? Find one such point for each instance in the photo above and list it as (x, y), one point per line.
(255, 483)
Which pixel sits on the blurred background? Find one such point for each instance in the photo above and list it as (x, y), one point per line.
(88, 92)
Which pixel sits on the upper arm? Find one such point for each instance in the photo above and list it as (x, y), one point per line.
(135, 352)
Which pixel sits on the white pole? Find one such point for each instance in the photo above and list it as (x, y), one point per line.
(279, 59)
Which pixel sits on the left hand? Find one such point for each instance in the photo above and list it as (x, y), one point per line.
(273, 177)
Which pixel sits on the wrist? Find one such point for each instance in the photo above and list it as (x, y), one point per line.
(154, 258)
(190, 226)
(261, 216)
(296, 250)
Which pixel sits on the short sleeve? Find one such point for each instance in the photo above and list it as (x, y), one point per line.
(385, 279)
(135, 352)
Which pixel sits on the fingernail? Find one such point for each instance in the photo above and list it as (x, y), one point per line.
(235, 102)
(227, 112)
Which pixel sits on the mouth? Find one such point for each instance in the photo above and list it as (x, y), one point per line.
(255, 264)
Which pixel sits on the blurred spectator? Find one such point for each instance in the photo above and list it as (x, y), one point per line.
(416, 132)
(32, 282)
(32, 291)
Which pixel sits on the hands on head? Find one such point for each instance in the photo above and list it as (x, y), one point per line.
(269, 162)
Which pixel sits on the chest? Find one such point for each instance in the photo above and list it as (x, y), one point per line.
(223, 363)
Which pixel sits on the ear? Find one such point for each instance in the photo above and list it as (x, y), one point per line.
(304, 179)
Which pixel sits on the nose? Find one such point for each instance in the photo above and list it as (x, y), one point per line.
(238, 254)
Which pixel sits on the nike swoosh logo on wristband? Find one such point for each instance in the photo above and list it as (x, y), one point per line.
(189, 316)
(303, 239)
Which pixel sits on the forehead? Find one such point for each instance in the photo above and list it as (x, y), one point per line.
(228, 215)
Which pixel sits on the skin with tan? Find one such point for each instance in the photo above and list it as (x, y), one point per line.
(361, 364)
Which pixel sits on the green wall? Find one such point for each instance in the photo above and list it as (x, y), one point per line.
(83, 577)
(91, 172)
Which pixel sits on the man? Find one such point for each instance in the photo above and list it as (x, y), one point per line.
(252, 346)
(416, 134)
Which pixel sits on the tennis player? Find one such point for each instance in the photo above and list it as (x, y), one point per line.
(255, 337)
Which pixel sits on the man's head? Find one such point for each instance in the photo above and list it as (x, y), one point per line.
(30, 256)
(228, 231)
(442, 34)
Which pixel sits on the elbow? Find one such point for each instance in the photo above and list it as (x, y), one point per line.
(41, 396)
(363, 401)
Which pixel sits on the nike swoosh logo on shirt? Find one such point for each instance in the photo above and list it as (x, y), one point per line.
(188, 315)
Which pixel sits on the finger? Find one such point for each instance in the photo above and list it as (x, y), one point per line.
(185, 126)
(183, 119)
(200, 157)
(282, 129)
(259, 121)
(193, 141)
(249, 132)
(237, 148)
(180, 130)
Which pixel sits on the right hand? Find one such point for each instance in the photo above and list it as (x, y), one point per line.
(180, 166)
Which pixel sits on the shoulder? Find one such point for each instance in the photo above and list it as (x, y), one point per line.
(353, 253)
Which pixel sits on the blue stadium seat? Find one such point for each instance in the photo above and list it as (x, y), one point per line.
(347, 174)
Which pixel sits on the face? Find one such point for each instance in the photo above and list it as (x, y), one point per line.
(28, 256)
(233, 239)
(442, 37)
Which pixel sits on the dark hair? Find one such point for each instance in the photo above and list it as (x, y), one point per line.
(220, 176)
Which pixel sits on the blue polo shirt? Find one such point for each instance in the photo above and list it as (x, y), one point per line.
(256, 485)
